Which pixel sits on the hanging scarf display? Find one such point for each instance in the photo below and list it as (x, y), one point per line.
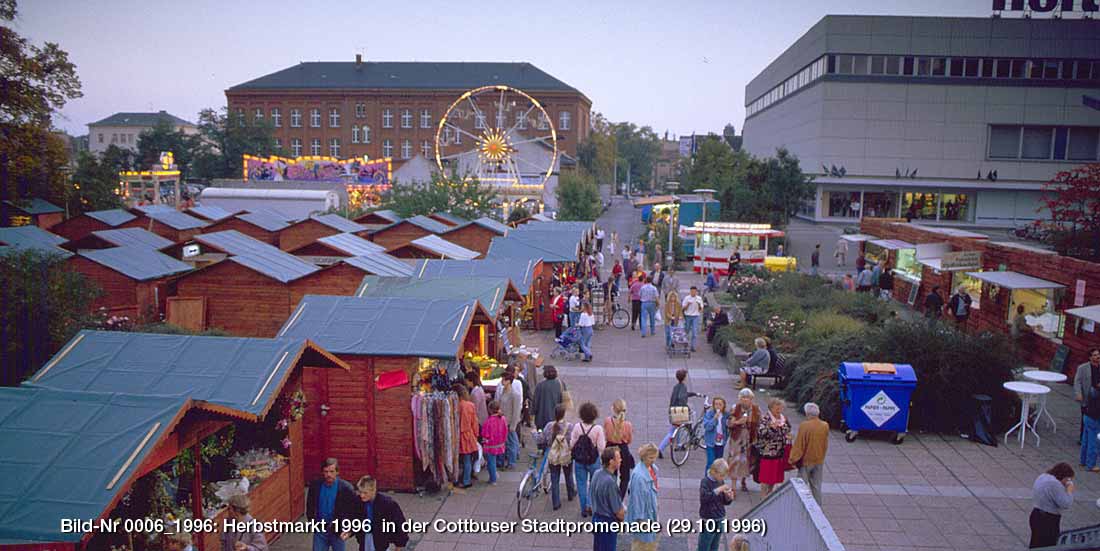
(436, 431)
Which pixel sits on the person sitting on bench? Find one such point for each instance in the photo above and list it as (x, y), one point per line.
(758, 363)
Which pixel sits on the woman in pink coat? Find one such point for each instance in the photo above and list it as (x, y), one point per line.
(493, 434)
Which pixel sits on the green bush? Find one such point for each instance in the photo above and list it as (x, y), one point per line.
(863, 306)
(166, 328)
(814, 378)
(824, 325)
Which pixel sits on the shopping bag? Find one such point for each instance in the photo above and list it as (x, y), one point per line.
(480, 458)
(678, 415)
(657, 318)
(567, 400)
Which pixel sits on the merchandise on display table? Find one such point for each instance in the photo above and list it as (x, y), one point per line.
(438, 375)
(488, 369)
(257, 464)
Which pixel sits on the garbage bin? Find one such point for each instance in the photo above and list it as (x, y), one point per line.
(875, 397)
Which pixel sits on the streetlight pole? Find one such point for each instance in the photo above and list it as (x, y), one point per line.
(706, 194)
(670, 256)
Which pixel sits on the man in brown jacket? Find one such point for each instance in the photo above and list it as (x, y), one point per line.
(810, 446)
(249, 539)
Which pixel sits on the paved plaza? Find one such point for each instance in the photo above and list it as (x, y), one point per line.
(934, 491)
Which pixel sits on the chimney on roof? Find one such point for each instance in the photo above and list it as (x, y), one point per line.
(358, 60)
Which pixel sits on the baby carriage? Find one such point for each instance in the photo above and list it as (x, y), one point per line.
(568, 344)
(681, 345)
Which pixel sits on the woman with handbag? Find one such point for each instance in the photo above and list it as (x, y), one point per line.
(557, 310)
(773, 441)
(715, 424)
(743, 423)
(678, 413)
(620, 432)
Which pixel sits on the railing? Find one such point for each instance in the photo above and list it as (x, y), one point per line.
(795, 522)
(1078, 539)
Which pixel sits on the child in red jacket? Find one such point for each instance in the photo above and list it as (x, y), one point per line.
(493, 433)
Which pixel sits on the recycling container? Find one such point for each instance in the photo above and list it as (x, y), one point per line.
(876, 397)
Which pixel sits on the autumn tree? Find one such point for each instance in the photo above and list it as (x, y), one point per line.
(225, 139)
(1073, 199)
(464, 197)
(578, 196)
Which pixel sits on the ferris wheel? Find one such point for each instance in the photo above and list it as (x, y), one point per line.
(481, 133)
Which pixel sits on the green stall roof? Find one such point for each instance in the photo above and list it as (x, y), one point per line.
(133, 237)
(139, 263)
(254, 254)
(380, 326)
(521, 273)
(490, 292)
(32, 237)
(111, 217)
(380, 264)
(550, 247)
(339, 223)
(35, 205)
(69, 454)
(237, 376)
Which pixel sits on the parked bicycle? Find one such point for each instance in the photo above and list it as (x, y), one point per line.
(535, 481)
(689, 436)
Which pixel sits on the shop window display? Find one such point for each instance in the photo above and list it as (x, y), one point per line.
(874, 253)
(955, 207)
(842, 204)
(973, 287)
(1040, 309)
(880, 204)
(733, 242)
(918, 205)
(906, 265)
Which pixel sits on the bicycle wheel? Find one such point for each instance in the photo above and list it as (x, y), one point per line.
(620, 319)
(681, 445)
(544, 482)
(526, 495)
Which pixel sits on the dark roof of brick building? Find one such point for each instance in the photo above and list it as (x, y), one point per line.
(141, 119)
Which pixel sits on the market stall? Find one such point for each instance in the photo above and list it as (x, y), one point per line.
(528, 275)
(404, 354)
(205, 399)
(1041, 300)
(716, 242)
(950, 270)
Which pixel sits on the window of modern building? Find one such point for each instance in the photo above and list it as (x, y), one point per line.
(988, 68)
(122, 138)
(387, 148)
(939, 66)
(360, 110)
(315, 146)
(844, 64)
(296, 147)
(1061, 137)
(276, 117)
(426, 149)
(924, 67)
(841, 204)
(1019, 68)
(1036, 142)
(956, 207)
(918, 205)
(355, 134)
(1004, 142)
(878, 65)
(315, 118)
(295, 118)
(880, 204)
(425, 118)
(334, 118)
(406, 118)
(406, 148)
(972, 66)
(114, 138)
(956, 66)
(908, 66)
(387, 118)
(1084, 144)
(564, 120)
(366, 134)
(334, 147)
(258, 115)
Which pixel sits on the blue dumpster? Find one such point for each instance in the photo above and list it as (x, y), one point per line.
(876, 397)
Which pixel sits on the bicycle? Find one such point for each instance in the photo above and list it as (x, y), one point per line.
(535, 481)
(620, 316)
(688, 436)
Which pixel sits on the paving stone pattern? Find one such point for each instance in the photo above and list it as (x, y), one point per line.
(931, 492)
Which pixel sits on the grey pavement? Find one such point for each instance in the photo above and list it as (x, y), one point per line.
(931, 492)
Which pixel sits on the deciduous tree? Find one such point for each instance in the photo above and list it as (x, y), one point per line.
(578, 196)
(225, 140)
(464, 197)
(1073, 199)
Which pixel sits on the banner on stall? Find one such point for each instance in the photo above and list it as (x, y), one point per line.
(358, 170)
(961, 260)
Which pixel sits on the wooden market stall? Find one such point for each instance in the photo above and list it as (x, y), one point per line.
(116, 414)
(556, 259)
(166, 222)
(477, 234)
(260, 225)
(406, 230)
(448, 219)
(122, 237)
(210, 213)
(378, 217)
(332, 248)
(133, 280)
(311, 229)
(31, 212)
(397, 348)
(527, 274)
(81, 225)
(432, 246)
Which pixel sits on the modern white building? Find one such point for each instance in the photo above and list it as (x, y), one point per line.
(941, 119)
(123, 129)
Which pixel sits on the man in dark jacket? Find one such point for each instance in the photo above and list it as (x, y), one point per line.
(959, 305)
(886, 282)
(330, 499)
(679, 398)
(385, 516)
(933, 303)
(548, 394)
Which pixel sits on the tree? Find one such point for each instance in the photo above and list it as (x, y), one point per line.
(578, 196)
(34, 82)
(639, 147)
(164, 137)
(95, 180)
(596, 154)
(768, 190)
(715, 165)
(1073, 199)
(518, 213)
(226, 138)
(729, 134)
(463, 197)
(45, 304)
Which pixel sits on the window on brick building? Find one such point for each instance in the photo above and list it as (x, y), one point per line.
(360, 110)
(521, 121)
(387, 148)
(334, 118)
(406, 149)
(240, 117)
(315, 118)
(295, 118)
(479, 120)
(315, 146)
(258, 115)
(564, 120)
(366, 134)
(426, 149)
(276, 117)
(101, 137)
(355, 134)
(278, 144)
(406, 118)
(387, 118)
(425, 118)
(334, 147)
(296, 147)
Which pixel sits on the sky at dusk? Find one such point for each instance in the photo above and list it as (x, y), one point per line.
(676, 66)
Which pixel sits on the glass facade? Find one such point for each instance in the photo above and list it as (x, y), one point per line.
(906, 265)
(919, 205)
(1040, 308)
(956, 207)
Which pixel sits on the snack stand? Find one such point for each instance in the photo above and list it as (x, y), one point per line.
(717, 241)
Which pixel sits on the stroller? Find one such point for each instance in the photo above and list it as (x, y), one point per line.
(568, 344)
(681, 345)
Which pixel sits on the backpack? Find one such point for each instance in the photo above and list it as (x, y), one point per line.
(560, 454)
(584, 451)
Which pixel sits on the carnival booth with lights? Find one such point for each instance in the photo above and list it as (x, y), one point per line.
(160, 186)
(393, 415)
(156, 429)
(712, 245)
(364, 180)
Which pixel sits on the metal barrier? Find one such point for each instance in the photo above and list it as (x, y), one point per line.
(795, 521)
(1077, 539)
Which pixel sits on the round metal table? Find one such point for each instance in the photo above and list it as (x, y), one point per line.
(1029, 392)
(1044, 378)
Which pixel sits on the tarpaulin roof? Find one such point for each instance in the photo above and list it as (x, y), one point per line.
(536, 245)
(339, 223)
(388, 215)
(68, 454)
(1090, 313)
(375, 326)
(445, 249)
(257, 255)
(111, 217)
(487, 223)
(210, 212)
(175, 219)
(351, 244)
(35, 205)
(521, 273)
(238, 376)
(267, 220)
(489, 291)
(32, 237)
(424, 223)
(380, 264)
(133, 237)
(1015, 280)
(455, 220)
(155, 207)
(893, 244)
(140, 263)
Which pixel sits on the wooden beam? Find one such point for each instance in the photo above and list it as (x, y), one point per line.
(196, 491)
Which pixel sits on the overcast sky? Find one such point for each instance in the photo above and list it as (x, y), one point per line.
(677, 66)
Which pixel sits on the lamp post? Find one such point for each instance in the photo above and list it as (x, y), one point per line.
(670, 257)
(706, 194)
